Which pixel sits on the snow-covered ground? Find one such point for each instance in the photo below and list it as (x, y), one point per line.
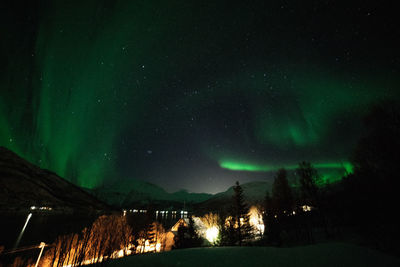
(325, 255)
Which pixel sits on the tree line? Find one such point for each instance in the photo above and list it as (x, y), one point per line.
(363, 203)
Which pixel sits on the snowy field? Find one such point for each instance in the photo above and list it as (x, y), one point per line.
(325, 255)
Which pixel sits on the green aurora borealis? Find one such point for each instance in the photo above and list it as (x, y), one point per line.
(240, 166)
(190, 95)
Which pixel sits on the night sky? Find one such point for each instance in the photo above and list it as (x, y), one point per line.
(192, 94)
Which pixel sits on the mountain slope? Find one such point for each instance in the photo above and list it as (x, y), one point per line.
(130, 192)
(23, 185)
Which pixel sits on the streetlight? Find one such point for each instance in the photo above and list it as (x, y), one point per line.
(22, 231)
(42, 245)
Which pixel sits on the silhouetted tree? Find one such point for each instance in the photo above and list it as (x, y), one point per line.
(187, 236)
(180, 240)
(268, 217)
(240, 214)
(308, 177)
(309, 195)
(194, 238)
(226, 235)
(372, 190)
(282, 205)
(282, 194)
(376, 158)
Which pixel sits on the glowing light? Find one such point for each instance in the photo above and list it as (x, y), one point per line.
(243, 166)
(207, 227)
(158, 247)
(157, 243)
(41, 246)
(306, 208)
(331, 172)
(256, 220)
(115, 255)
(238, 166)
(40, 208)
(23, 230)
(212, 234)
(145, 246)
(120, 253)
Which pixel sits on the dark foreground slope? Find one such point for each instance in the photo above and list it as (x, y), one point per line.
(23, 185)
(326, 255)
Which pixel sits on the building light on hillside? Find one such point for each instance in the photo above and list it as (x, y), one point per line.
(306, 208)
(256, 221)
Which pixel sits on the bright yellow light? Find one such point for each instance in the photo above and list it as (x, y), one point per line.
(256, 220)
(212, 234)
(158, 247)
(306, 208)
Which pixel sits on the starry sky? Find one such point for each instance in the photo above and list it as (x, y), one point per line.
(192, 94)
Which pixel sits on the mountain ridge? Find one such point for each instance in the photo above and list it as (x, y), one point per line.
(24, 185)
(134, 191)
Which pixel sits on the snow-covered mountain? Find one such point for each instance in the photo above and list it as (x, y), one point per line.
(124, 193)
(128, 193)
(253, 191)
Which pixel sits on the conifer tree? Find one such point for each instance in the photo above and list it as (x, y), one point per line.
(282, 206)
(268, 216)
(226, 235)
(241, 215)
(194, 239)
(308, 177)
(180, 240)
(282, 194)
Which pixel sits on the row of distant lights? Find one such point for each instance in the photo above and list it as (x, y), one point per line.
(41, 208)
(162, 212)
(134, 211)
(174, 212)
(305, 208)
